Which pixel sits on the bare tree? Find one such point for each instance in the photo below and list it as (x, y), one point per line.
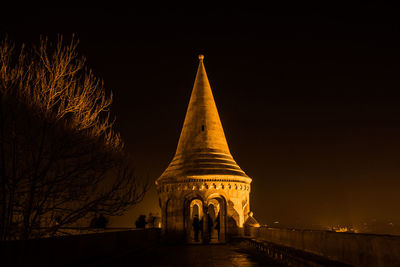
(60, 158)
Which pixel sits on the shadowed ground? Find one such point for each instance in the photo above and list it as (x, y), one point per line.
(191, 255)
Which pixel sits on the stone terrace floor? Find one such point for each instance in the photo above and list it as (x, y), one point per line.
(191, 255)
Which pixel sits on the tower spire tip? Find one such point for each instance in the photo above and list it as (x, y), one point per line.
(201, 57)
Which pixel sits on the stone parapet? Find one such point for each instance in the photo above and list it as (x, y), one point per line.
(348, 248)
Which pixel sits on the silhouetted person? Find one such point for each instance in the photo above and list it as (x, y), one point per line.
(141, 221)
(196, 227)
(210, 225)
(101, 221)
(201, 226)
(217, 224)
(151, 220)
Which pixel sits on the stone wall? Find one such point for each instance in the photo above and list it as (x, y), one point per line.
(354, 249)
(70, 250)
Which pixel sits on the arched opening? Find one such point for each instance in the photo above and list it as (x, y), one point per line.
(194, 222)
(216, 219)
(169, 217)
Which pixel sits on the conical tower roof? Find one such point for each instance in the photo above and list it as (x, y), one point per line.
(202, 148)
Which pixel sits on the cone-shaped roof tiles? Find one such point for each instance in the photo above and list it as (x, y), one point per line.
(202, 147)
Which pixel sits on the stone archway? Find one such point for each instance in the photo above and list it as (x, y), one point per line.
(196, 221)
(194, 208)
(216, 219)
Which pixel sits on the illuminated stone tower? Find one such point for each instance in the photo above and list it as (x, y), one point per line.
(203, 180)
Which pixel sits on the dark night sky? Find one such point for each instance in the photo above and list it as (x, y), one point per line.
(308, 96)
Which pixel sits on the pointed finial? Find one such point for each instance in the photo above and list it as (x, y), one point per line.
(201, 57)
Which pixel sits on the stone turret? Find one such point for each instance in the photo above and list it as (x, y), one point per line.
(203, 173)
